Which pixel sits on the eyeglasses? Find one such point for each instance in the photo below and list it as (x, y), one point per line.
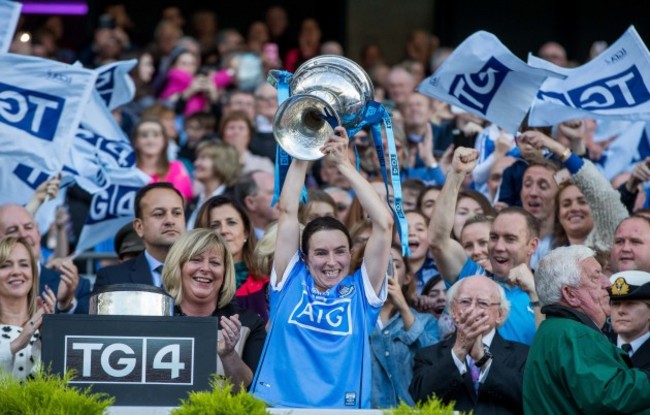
(480, 303)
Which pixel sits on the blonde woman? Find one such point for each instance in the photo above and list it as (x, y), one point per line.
(199, 274)
(21, 308)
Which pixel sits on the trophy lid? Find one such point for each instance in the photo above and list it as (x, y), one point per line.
(339, 81)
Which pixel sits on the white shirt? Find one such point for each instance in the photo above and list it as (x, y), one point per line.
(636, 343)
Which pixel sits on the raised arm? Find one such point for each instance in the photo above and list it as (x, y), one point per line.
(605, 201)
(288, 239)
(46, 191)
(378, 246)
(447, 252)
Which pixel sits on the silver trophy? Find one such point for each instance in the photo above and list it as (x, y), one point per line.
(325, 91)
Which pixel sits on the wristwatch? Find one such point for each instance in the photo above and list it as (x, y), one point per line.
(486, 356)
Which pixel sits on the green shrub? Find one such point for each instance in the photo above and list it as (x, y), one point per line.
(49, 394)
(431, 407)
(221, 401)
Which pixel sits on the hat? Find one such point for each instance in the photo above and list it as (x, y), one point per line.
(630, 285)
(127, 241)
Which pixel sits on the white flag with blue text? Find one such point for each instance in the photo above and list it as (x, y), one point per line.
(9, 14)
(483, 77)
(111, 208)
(614, 85)
(99, 148)
(41, 103)
(114, 83)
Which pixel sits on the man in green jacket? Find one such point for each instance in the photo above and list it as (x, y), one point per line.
(572, 367)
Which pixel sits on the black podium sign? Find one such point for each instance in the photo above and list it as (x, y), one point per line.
(140, 360)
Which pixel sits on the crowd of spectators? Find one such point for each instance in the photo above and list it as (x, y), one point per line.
(512, 238)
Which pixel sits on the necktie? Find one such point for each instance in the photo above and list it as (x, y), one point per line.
(475, 371)
(157, 279)
(627, 347)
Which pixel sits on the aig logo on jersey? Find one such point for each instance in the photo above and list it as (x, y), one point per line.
(34, 112)
(325, 316)
(478, 89)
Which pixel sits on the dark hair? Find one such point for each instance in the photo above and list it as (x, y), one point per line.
(479, 198)
(560, 238)
(203, 221)
(531, 221)
(246, 186)
(315, 196)
(426, 190)
(151, 186)
(415, 184)
(430, 284)
(524, 126)
(324, 223)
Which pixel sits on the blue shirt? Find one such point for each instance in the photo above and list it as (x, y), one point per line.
(393, 349)
(520, 325)
(153, 265)
(425, 273)
(317, 351)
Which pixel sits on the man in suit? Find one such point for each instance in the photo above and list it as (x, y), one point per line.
(72, 292)
(476, 367)
(630, 305)
(159, 221)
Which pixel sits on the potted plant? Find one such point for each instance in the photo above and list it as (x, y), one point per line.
(433, 406)
(221, 401)
(49, 394)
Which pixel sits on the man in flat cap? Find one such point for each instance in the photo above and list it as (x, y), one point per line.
(128, 243)
(630, 316)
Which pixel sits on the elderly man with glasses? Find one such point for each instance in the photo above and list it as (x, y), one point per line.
(572, 367)
(476, 367)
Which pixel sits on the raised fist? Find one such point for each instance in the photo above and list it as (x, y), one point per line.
(464, 160)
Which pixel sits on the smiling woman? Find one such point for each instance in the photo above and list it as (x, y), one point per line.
(21, 308)
(199, 273)
(323, 310)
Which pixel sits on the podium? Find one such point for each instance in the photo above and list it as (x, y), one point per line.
(140, 360)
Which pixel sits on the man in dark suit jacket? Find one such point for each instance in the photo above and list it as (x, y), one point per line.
(630, 315)
(476, 368)
(72, 292)
(159, 221)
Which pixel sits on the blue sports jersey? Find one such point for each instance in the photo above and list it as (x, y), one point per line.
(317, 351)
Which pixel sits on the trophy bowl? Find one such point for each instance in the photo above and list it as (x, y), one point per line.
(339, 81)
(131, 300)
(302, 124)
